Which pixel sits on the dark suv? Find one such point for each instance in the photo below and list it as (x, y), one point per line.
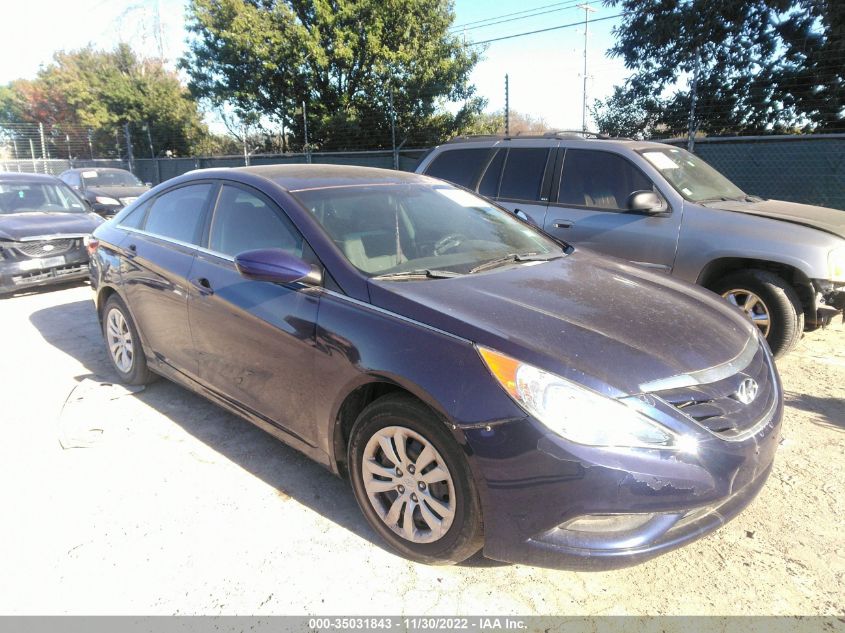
(663, 208)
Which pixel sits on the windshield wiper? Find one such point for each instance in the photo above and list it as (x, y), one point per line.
(515, 257)
(420, 273)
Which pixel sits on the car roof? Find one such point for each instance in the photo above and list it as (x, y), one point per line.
(300, 177)
(19, 177)
(567, 139)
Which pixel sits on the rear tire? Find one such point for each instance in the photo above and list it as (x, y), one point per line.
(123, 343)
(413, 483)
(771, 304)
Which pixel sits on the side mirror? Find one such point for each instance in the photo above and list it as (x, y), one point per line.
(148, 185)
(522, 215)
(277, 266)
(646, 202)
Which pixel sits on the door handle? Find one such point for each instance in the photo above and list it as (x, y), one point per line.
(203, 285)
(563, 224)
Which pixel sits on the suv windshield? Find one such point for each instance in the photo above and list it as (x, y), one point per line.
(694, 179)
(27, 197)
(110, 178)
(429, 229)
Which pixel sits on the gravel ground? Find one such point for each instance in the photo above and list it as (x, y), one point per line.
(159, 502)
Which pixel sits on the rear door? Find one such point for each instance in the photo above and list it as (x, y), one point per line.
(157, 258)
(254, 339)
(590, 209)
(519, 178)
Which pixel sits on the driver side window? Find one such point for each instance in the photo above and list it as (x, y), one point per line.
(599, 180)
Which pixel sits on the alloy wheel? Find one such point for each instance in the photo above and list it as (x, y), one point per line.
(408, 484)
(753, 306)
(120, 340)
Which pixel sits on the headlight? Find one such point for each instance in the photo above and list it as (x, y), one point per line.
(106, 200)
(836, 264)
(576, 413)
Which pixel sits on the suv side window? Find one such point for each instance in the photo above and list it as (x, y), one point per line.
(459, 166)
(244, 221)
(599, 180)
(177, 214)
(523, 175)
(489, 185)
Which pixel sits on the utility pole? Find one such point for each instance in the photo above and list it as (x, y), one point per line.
(587, 10)
(305, 126)
(693, 102)
(507, 107)
(393, 132)
(43, 146)
(129, 156)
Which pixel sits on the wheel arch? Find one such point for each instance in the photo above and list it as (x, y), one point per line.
(716, 269)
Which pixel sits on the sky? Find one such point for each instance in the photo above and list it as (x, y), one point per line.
(545, 70)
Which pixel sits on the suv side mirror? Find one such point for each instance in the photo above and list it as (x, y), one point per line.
(277, 266)
(646, 202)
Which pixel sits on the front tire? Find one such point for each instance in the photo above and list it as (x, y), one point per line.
(770, 303)
(124, 344)
(413, 483)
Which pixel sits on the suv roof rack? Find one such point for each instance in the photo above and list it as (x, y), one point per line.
(556, 134)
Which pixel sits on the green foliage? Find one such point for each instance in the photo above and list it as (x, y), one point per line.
(346, 59)
(102, 90)
(761, 66)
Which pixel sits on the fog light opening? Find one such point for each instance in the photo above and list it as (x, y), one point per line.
(607, 523)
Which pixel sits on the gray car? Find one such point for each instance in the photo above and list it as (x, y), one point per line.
(663, 208)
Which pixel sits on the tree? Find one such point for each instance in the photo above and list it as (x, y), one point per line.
(101, 91)
(727, 66)
(352, 62)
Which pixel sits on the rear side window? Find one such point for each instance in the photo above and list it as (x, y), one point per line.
(135, 218)
(523, 173)
(244, 221)
(460, 166)
(177, 213)
(489, 185)
(599, 180)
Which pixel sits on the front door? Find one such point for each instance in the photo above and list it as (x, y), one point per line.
(518, 178)
(254, 339)
(590, 209)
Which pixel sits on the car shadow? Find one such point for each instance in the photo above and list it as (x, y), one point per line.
(40, 290)
(73, 329)
(828, 411)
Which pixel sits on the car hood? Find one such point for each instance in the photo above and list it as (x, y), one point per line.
(20, 226)
(608, 325)
(828, 220)
(117, 192)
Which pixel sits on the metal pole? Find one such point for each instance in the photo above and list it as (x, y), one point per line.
(90, 145)
(305, 125)
(393, 133)
(693, 102)
(246, 149)
(507, 108)
(587, 10)
(129, 155)
(67, 142)
(32, 156)
(150, 140)
(15, 148)
(43, 146)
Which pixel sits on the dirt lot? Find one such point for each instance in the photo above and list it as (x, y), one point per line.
(161, 503)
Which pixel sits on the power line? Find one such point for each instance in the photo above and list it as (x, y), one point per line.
(551, 28)
(533, 13)
(506, 15)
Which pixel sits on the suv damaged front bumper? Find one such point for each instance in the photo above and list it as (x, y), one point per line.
(552, 503)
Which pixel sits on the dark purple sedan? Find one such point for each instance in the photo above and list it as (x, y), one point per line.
(482, 385)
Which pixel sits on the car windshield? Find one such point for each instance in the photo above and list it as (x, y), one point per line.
(27, 197)
(694, 179)
(432, 230)
(110, 178)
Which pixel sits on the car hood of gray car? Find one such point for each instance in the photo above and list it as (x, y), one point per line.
(20, 226)
(822, 218)
(117, 192)
(595, 320)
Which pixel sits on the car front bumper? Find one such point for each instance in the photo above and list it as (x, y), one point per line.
(542, 495)
(20, 274)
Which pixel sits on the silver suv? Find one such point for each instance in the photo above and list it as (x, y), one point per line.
(661, 207)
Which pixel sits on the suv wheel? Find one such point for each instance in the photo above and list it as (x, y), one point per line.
(124, 345)
(413, 483)
(769, 302)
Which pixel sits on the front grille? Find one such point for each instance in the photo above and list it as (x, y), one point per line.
(717, 407)
(45, 248)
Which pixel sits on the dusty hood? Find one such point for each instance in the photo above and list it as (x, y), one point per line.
(20, 226)
(600, 322)
(822, 218)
